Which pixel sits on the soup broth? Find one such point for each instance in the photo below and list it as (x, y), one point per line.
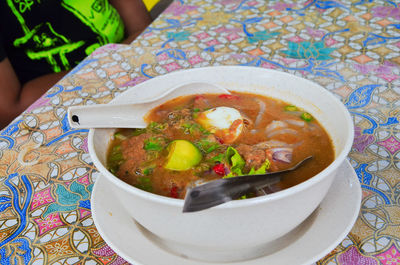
(181, 148)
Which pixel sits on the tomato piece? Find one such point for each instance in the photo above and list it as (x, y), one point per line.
(227, 96)
(219, 169)
(174, 192)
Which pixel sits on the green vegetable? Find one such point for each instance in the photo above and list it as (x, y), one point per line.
(262, 169)
(182, 155)
(116, 153)
(207, 146)
(236, 162)
(306, 116)
(153, 144)
(291, 108)
(148, 170)
(191, 128)
(137, 132)
(196, 110)
(119, 136)
(144, 183)
(115, 159)
(157, 127)
(218, 158)
(230, 175)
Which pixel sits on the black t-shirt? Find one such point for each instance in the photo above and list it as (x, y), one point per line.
(46, 36)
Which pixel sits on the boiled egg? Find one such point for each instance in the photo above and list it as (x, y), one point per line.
(224, 122)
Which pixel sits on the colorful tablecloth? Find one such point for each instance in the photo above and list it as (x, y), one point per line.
(350, 47)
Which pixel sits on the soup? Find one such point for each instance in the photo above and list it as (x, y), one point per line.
(194, 139)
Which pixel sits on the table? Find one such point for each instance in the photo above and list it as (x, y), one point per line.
(350, 47)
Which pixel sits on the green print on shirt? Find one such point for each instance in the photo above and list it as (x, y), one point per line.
(43, 42)
(24, 5)
(100, 16)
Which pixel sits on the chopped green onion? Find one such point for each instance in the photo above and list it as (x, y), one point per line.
(148, 170)
(218, 158)
(152, 146)
(116, 153)
(212, 148)
(119, 136)
(157, 127)
(115, 159)
(291, 108)
(306, 116)
(190, 128)
(137, 132)
(144, 184)
(207, 146)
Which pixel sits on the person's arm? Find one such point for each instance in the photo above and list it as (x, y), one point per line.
(134, 15)
(15, 98)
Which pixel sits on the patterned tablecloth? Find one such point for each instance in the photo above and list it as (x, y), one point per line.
(349, 47)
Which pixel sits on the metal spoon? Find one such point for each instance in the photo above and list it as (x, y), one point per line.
(220, 191)
(132, 115)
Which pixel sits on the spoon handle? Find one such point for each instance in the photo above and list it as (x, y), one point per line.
(220, 191)
(132, 115)
(108, 116)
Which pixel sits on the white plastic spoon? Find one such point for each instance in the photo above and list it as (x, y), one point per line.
(132, 115)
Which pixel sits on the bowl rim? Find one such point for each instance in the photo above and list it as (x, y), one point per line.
(250, 201)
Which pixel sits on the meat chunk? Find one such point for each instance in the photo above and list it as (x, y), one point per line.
(253, 156)
(133, 153)
(177, 117)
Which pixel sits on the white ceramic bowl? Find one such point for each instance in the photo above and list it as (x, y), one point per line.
(241, 229)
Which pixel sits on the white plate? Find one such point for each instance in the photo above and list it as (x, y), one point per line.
(313, 239)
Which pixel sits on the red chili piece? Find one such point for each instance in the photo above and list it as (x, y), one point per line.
(174, 192)
(219, 169)
(227, 96)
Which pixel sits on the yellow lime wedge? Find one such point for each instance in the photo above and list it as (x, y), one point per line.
(182, 155)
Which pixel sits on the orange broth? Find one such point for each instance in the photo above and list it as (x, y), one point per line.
(138, 156)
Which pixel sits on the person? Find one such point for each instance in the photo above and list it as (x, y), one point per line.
(40, 40)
